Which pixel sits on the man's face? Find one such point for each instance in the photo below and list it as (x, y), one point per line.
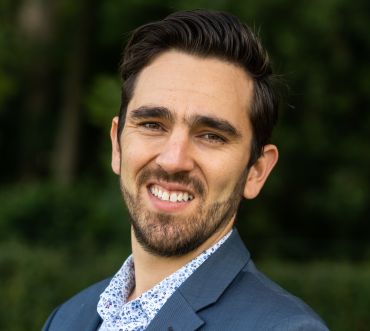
(184, 150)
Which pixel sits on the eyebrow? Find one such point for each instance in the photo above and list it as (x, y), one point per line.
(221, 125)
(145, 112)
(218, 124)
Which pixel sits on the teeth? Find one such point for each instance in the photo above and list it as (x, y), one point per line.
(173, 197)
(165, 196)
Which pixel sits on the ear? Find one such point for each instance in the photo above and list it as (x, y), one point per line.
(260, 170)
(116, 150)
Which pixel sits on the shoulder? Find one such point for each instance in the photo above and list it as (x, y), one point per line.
(79, 308)
(254, 302)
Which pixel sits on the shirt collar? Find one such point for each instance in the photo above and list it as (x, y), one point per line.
(116, 311)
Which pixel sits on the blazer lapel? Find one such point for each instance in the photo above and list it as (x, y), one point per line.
(82, 314)
(83, 318)
(87, 321)
(175, 315)
(202, 288)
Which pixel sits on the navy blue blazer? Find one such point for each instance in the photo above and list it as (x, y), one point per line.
(226, 292)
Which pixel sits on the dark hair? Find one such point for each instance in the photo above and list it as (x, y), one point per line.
(206, 34)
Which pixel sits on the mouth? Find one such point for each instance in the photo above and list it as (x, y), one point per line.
(169, 197)
(174, 196)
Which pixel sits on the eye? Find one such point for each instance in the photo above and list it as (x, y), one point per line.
(152, 126)
(213, 138)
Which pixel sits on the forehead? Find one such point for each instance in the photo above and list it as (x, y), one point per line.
(190, 85)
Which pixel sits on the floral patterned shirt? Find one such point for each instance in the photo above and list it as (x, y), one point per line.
(135, 315)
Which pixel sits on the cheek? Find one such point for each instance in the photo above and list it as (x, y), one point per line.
(223, 177)
(225, 185)
(135, 155)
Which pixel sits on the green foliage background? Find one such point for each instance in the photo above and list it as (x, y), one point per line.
(62, 222)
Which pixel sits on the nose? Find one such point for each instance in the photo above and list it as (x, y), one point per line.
(175, 155)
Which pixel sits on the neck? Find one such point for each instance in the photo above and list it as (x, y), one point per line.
(152, 269)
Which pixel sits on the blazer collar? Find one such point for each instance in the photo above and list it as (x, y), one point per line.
(85, 315)
(203, 287)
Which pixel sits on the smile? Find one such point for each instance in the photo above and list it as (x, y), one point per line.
(172, 196)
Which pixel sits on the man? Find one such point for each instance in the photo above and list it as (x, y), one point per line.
(192, 139)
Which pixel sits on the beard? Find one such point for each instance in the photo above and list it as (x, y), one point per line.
(169, 235)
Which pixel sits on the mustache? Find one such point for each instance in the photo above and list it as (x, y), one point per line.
(182, 177)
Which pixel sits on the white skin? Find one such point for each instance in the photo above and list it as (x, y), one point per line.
(178, 140)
